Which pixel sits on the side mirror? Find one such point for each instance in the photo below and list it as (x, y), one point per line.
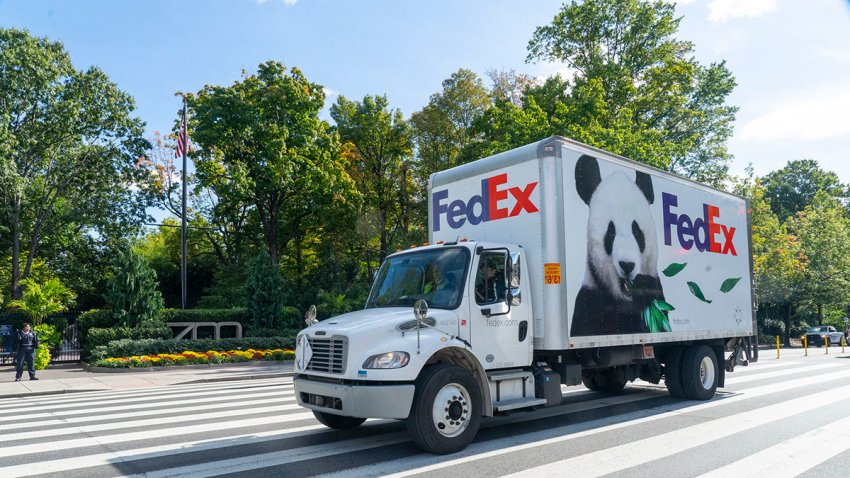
(310, 316)
(514, 276)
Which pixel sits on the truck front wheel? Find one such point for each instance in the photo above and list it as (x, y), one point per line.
(446, 411)
(699, 372)
(338, 421)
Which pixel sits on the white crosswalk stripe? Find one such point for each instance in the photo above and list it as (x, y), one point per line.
(254, 426)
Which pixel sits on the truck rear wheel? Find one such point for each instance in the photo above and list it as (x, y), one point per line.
(338, 421)
(589, 381)
(673, 372)
(699, 373)
(446, 411)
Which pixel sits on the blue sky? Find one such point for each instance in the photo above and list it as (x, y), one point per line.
(791, 58)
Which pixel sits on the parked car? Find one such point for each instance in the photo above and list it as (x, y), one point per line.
(818, 335)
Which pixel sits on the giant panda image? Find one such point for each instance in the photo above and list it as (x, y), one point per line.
(621, 278)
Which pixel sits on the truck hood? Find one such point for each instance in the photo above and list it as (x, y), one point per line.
(382, 319)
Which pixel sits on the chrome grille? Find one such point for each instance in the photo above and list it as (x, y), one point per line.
(328, 354)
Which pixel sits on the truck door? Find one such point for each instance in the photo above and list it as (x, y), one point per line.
(501, 332)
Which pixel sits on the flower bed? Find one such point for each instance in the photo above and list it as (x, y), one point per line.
(195, 358)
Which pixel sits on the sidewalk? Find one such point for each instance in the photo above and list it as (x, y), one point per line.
(68, 378)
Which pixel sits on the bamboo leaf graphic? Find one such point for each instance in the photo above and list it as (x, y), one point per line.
(695, 290)
(674, 269)
(729, 284)
(662, 305)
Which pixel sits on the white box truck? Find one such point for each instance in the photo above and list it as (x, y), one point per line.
(553, 263)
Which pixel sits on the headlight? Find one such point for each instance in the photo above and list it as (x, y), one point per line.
(387, 360)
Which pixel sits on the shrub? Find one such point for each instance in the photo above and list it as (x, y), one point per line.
(42, 358)
(98, 337)
(237, 314)
(253, 332)
(130, 347)
(48, 336)
(134, 293)
(264, 295)
(96, 318)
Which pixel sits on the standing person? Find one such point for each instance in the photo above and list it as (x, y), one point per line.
(25, 345)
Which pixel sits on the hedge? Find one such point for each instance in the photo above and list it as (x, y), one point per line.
(130, 347)
(102, 336)
(271, 333)
(97, 318)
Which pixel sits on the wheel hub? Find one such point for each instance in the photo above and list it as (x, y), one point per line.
(451, 410)
(706, 372)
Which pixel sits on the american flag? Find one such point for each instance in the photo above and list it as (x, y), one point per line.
(181, 138)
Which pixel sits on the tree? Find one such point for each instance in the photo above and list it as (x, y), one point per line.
(778, 260)
(264, 293)
(133, 290)
(636, 89)
(380, 150)
(41, 300)
(793, 187)
(443, 128)
(71, 152)
(824, 232)
(273, 166)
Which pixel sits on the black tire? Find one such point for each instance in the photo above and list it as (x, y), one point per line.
(610, 381)
(700, 374)
(338, 421)
(589, 381)
(673, 372)
(463, 408)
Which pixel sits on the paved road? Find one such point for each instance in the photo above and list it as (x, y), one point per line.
(776, 418)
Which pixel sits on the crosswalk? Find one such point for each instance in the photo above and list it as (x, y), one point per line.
(777, 418)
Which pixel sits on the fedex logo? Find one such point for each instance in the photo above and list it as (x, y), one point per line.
(688, 231)
(494, 194)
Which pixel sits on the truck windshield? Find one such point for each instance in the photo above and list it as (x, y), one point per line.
(436, 275)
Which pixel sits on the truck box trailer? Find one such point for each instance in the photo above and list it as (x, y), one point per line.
(551, 264)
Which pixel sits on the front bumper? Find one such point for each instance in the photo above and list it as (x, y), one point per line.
(383, 401)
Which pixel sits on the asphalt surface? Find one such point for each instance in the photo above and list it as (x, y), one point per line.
(787, 417)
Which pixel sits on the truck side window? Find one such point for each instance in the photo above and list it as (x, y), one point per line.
(490, 279)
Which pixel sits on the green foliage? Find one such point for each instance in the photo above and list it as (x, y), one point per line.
(264, 293)
(636, 90)
(48, 336)
(273, 166)
(70, 149)
(379, 148)
(42, 358)
(129, 347)
(134, 294)
(97, 337)
(272, 333)
(332, 304)
(237, 314)
(42, 300)
(794, 187)
(823, 229)
(96, 318)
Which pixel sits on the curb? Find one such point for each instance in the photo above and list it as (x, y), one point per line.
(52, 392)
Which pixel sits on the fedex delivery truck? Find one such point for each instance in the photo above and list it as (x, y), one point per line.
(551, 264)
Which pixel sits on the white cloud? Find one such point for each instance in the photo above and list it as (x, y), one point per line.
(725, 10)
(814, 116)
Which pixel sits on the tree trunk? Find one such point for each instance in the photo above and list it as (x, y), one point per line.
(820, 314)
(383, 251)
(16, 247)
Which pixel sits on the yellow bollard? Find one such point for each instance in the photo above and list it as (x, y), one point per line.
(805, 346)
(826, 343)
(842, 344)
(777, 347)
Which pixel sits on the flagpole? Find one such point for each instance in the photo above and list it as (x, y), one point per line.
(185, 140)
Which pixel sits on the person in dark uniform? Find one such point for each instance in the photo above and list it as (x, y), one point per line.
(25, 344)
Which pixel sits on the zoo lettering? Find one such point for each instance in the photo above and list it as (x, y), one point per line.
(688, 230)
(458, 212)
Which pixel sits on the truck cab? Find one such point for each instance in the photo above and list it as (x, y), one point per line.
(450, 316)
